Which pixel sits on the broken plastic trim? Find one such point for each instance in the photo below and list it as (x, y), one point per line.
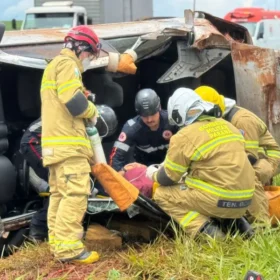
(133, 210)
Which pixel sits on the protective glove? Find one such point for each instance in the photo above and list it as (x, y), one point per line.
(151, 170)
(122, 62)
(93, 120)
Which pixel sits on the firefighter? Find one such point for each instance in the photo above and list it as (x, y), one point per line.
(149, 133)
(262, 149)
(206, 173)
(66, 148)
(30, 148)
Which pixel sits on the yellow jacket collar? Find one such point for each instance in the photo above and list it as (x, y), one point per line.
(71, 54)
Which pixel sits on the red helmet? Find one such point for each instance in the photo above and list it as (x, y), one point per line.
(85, 34)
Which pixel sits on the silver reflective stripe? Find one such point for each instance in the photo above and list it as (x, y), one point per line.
(131, 122)
(121, 146)
(153, 149)
(35, 126)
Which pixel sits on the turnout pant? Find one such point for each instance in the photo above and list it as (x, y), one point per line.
(259, 210)
(192, 208)
(69, 186)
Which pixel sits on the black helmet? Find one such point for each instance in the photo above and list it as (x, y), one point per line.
(147, 102)
(107, 122)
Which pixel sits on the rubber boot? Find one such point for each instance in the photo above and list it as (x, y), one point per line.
(84, 258)
(212, 229)
(241, 225)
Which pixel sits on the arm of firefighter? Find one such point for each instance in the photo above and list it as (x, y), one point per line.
(272, 150)
(124, 63)
(176, 162)
(70, 91)
(121, 148)
(251, 129)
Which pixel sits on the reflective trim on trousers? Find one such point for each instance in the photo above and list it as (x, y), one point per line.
(68, 245)
(188, 218)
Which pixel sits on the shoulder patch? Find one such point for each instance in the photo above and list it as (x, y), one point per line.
(122, 137)
(77, 72)
(167, 134)
(131, 122)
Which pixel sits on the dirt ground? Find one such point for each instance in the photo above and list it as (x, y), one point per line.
(36, 262)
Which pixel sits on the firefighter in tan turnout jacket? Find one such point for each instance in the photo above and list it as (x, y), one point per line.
(206, 173)
(262, 149)
(66, 148)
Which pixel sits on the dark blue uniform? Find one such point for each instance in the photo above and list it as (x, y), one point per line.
(150, 147)
(30, 148)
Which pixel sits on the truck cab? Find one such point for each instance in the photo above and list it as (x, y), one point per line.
(267, 34)
(61, 14)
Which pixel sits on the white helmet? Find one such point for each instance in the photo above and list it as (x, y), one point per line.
(229, 103)
(185, 106)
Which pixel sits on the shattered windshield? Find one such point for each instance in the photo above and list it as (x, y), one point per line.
(49, 20)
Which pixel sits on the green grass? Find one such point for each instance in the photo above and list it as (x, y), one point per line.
(8, 24)
(207, 259)
(165, 259)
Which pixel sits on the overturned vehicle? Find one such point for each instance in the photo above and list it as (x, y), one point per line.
(171, 53)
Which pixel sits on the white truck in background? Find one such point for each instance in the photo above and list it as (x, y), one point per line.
(55, 14)
(267, 34)
(66, 14)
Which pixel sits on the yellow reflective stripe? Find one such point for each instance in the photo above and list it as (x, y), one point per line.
(174, 166)
(207, 147)
(48, 85)
(65, 140)
(51, 239)
(251, 145)
(188, 218)
(261, 150)
(199, 184)
(69, 84)
(206, 118)
(273, 153)
(69, 244)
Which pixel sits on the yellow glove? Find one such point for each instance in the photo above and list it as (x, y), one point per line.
(122, 63)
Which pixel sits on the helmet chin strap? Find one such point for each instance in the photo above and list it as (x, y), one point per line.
(74, 47)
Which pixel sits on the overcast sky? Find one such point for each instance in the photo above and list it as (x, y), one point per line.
(219, 8)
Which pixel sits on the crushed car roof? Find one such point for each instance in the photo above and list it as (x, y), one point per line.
(32, 48)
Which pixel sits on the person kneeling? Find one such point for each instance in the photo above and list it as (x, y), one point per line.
(206, 173)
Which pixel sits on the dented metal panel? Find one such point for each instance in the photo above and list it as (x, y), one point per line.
(205, 31)
(256, 73)
(32, 47)
(192, 62)
(105, 31)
